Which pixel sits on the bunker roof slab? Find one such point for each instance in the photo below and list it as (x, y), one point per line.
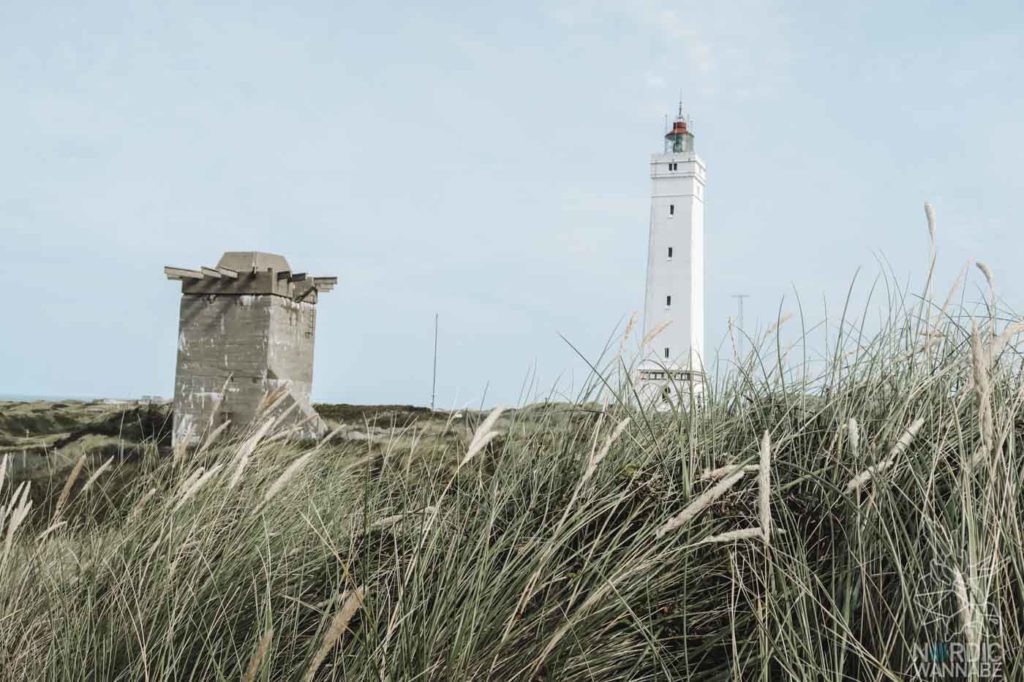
(251, 273)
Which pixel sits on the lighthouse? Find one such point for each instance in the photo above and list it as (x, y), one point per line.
(671, 369)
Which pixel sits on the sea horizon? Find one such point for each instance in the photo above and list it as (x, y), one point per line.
(28, 398)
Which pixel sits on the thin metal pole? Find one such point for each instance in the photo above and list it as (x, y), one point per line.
(433, 383)
(739, 320)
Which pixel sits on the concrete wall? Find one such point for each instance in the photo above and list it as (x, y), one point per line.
(232, 351)
(290, 352)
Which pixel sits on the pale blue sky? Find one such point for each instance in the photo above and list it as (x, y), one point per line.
(485, 160)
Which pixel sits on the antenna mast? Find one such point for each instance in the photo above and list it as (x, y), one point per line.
(739, 319)
(433, 381)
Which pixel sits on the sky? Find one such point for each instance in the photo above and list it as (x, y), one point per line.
(487, 162)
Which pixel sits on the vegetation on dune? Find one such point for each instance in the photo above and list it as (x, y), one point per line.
(836, 526)
(47, 426)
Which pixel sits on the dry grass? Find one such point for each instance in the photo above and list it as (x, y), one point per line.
(595, 540)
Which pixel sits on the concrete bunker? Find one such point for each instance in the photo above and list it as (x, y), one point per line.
(245, 331)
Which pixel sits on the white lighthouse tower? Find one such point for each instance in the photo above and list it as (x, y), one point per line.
(673, 353)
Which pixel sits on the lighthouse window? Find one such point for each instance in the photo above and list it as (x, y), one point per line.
(668, 301)
(666, 353)
(671, 209)
(670, 252)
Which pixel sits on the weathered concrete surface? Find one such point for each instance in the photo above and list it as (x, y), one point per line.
(246, 329)
(253, 261)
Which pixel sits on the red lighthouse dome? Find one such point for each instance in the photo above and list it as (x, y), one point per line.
(679, 140)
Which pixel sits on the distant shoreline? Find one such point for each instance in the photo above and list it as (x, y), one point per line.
(24, 398)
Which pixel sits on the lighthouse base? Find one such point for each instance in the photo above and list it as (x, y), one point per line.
(664, 389)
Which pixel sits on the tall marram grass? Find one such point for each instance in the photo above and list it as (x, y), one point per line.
(799, 526)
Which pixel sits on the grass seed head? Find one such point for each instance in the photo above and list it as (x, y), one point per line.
(256, 662)
(484, 434)
(764, 486)
(735, 536)
(985, 270)
(198, 483)
(338, 626)
(702, 502)
(65, 493)
(96, 474)
(853, 431)
(719, 472)
(288, 474)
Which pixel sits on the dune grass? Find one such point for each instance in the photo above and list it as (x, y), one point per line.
(834, 525)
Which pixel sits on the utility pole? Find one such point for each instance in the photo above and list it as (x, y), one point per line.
(433, 382)
(739, 320)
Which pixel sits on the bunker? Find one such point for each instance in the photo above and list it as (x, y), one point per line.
(245, 332)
